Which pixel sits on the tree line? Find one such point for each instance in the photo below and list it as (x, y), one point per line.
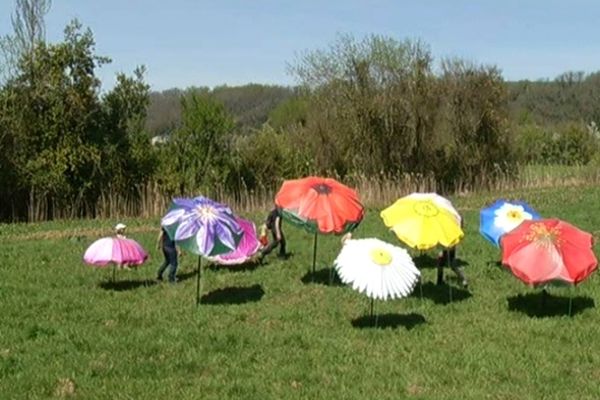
(364, 108)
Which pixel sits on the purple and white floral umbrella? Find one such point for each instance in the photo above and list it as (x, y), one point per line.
(202, 226)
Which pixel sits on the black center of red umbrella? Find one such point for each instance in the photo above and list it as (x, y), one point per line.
(322, 188)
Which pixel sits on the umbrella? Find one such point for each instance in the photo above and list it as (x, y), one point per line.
(548, 250)
(376, 268)
(503, 216)
(115, 250)
(247, 247)
(424, 220)
(202, 226)
(319, 205)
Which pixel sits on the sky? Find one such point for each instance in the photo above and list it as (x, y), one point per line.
(186, 43)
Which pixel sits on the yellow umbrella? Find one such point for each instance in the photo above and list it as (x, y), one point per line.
(423, 221)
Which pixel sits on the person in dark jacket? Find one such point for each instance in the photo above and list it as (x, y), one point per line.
(273, 224)
(170, 252)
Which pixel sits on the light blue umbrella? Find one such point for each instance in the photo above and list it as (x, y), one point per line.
(502, 217)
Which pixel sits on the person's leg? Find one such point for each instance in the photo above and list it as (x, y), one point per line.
(457, 270)
(269, 248)
(282, 252)
(163, 266)
(174, 264)
(274, 243)
(441, 261)
(461, 275)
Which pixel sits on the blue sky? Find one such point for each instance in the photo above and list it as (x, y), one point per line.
(207, 43)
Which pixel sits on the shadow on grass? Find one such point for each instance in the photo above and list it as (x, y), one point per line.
(324, 276)
(247, 266)
(495, 263)
(123, 285)
(382, 321)
(186, 275)
(440, 294)
(234, 295)
(540, 304)
(426, 261)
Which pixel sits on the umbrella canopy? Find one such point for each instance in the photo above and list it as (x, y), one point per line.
(321, 205)
(115, 250)
(248, 246)
(502, 217)
(376, 268)
(548, 250)
(424, 220)
(202, 226)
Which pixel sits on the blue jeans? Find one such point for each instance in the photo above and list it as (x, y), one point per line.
(170, 259)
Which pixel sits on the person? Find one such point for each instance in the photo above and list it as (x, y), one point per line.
(262, 238)
(273, 224)
(170, 252)
(120, 234)
(120, 230)
(448, 256)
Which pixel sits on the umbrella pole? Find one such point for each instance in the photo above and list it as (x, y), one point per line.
(421, 278)
(544, 293)
(570, 300)
(114, 268)
(198, 273)
(314, 257)
(449, 266)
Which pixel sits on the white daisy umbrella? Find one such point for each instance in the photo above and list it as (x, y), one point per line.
(376, 268)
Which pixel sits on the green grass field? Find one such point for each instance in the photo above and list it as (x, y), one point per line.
(267, 332)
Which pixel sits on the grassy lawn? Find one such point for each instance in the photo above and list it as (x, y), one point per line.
(267, 332)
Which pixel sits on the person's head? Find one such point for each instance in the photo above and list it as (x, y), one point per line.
(120, 228)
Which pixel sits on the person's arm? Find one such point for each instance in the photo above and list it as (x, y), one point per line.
(277, 228)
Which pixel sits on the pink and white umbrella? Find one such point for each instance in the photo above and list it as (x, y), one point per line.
(248, 246)
(115, 250)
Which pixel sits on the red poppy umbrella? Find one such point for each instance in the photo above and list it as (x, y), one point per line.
(548, 250)
(320, 205)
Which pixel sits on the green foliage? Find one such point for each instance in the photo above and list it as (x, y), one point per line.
(128, 159)
(378, 108)
(290, 112)
(569, 144)
(64, 145)
(269, 156)
(196, 155)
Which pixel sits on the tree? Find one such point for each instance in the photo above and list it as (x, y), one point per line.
(196, 156)
(127, 157)
(377, 108)
(29, 30)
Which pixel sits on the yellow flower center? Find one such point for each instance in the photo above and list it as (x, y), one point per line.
(543, 235)
(514, 215)
(426, 208)
(380, 256)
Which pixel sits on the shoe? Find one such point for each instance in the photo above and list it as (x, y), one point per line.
(465, 284)
(173, 280)
(283, 256)
(159, 278)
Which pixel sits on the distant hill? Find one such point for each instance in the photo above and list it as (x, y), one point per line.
(250, 105)
(571, 97)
